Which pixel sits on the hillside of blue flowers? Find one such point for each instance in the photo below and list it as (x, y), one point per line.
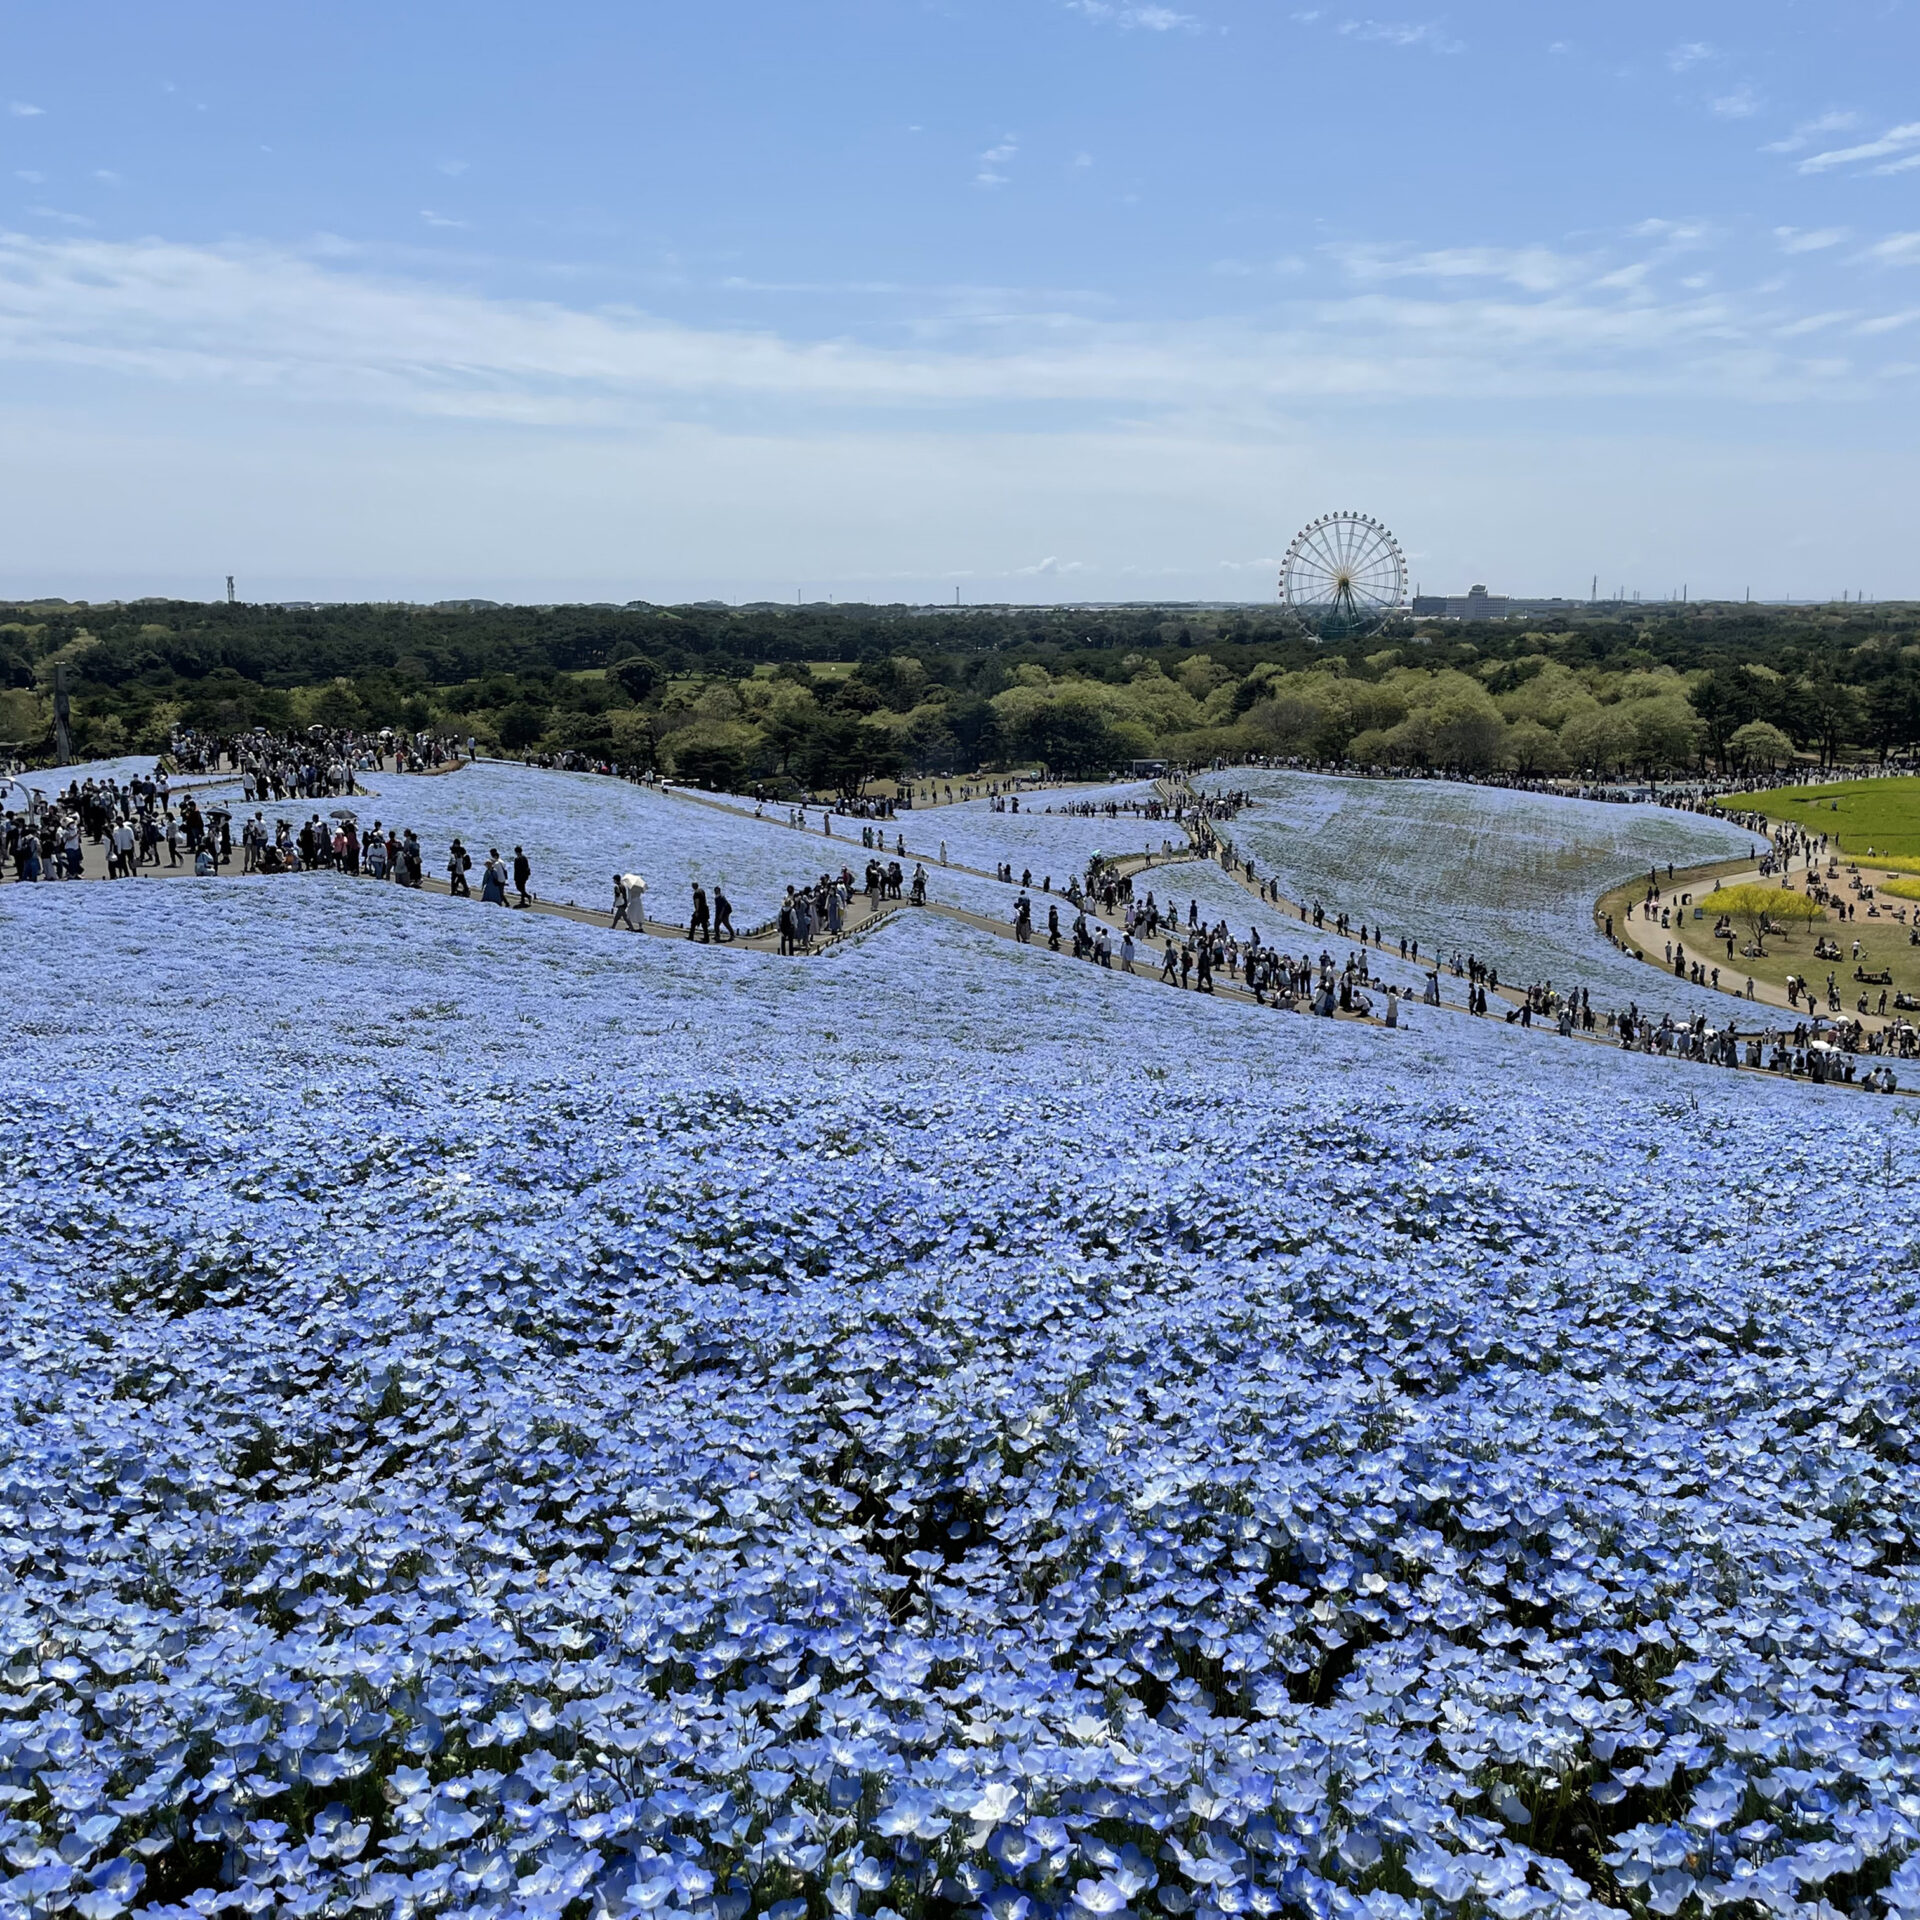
(504, 1419)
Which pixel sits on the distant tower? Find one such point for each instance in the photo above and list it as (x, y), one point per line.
(231, 595)
(62, 714)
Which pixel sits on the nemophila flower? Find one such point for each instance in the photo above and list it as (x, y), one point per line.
(1039, 1452)
(1508, 876)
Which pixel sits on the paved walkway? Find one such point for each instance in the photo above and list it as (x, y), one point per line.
(865, 913)
(1629, 935)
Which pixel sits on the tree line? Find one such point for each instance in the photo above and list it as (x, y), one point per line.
(823, 697)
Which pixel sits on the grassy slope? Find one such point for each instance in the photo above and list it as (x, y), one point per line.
(1882, 935)
(1881, 814)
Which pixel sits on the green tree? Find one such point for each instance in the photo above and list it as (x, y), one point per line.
(1532, 750)
(1758, 744)
(520, 726)
(1599, 742)
(1893, 712)
(1666, 732)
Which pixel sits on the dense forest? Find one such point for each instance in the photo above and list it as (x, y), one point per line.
(825, 696)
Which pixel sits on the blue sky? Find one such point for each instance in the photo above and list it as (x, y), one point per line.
(1019, 299)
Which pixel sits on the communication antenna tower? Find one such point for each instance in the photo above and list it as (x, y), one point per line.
(231, 595)
(62, 715)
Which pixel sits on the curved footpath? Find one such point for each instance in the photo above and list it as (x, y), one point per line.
(1700, 882)
(866, 912)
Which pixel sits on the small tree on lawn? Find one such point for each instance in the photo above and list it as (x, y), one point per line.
(1763, 910)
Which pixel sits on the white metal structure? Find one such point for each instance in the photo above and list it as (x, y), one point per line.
(1343, 575)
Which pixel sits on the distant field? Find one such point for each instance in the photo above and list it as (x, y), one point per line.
(1881, 814)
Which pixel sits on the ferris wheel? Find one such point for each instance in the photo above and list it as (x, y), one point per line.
(1343, 575)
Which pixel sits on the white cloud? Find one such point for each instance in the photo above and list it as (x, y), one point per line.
(1535, 269)
(1146, 19)
(24, 110)
(321, 330)
(1889, 322)
(1895, 140)
(1896, 250)
(1808, 131)
(1404, 33)
(106, 176)
(1814, 323)
(994, 159)
(28, 174)
(453, 169)
(1803, 240)
(1741, 104)
(1690, 53)
(439, 219)
(1050, 566)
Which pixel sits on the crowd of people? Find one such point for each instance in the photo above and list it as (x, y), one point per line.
(137, 822)
(320, 764)
(143, 823)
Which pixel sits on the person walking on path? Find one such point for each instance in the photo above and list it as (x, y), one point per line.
(522, 873)
(700, 927)
(622, 900)
(458, 861)
(722, 913)
(493, 879)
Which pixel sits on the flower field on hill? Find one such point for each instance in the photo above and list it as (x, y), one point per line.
(500, 1418)
(579, 829)
(1509, 876)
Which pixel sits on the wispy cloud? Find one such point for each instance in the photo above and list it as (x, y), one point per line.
(1690, 53)
(1808, 240)
(1146, 19)
(1889, 322)
(1534, 269)
(1403, 33)
(1814, 323)
(1741, 104)
(1896, 250)
(1001, 155)
(24, 109)
(326, 332)
(453, 169)
(1899, 140)
(1808, 131)
(439, 219)
(1050, 567)
(29, 175)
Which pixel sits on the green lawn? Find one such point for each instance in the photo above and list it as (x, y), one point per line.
(1881, 814)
